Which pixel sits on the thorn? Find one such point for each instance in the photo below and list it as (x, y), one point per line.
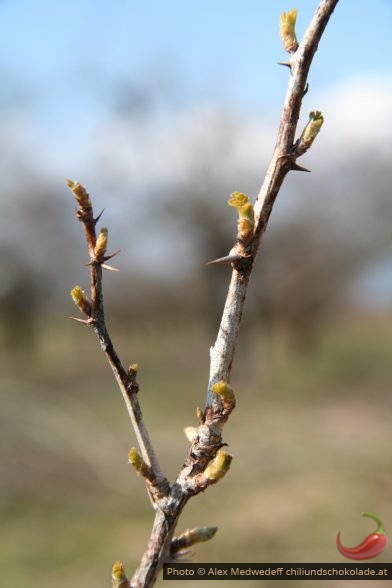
(225, 259)
(296, 167)
(83, 321)
(107, 257)
(285, 64)
(99, 216)
(306, 89)
(109, 267)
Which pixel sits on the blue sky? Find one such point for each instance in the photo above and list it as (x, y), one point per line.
(63, 64)
(60, 60)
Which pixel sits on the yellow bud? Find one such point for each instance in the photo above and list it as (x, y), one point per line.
(134, 367)
(287, 30)
(140, 466)
(101, 244)
(237, 199)
(119, 578)
(80, 193)
(218, 467)
(246, 215)
(223, 389)
(81, 300)
(135, 459)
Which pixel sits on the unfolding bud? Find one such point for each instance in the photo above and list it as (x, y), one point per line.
(246, 215)
(223, 389)
(119, 578)
(287, 30)
(200, 534)
(192, 536)
(81, 300)
(134, 368)
(310, 132)
(140, 466)
(134, 458)
(218, 467)
(101, 244)
(80, 193)
(225, 392)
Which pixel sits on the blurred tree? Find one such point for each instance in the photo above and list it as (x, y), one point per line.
(18, 304)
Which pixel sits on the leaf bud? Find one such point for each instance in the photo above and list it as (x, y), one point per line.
(81, 300)
(218, 467)
(246, 215)
(310, 132)
(135, 459)
(192, 536)
(80, 193)
(101, 244)
(287, 30)
(119, 578)
(223, 389)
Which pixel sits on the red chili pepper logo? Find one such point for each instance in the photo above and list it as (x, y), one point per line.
(370, 547)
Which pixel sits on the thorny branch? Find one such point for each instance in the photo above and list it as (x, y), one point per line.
(207, 462)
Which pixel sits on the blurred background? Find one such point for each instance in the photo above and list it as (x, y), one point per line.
(162, 109)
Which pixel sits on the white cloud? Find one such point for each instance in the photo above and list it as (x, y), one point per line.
(358, 119)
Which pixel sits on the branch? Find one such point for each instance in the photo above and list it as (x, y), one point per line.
(283, 160)
(206, 462)
(94, 309)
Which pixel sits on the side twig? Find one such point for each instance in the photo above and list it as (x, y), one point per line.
(94, 309)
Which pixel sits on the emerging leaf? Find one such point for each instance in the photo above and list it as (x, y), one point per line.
(246, 215)
(81, 300)
(119, 578)
(287, 30)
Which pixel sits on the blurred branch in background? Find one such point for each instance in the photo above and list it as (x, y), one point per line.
(317, 258)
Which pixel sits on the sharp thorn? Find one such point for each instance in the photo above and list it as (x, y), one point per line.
(225, 259)
(79, 320)
(109, 267)
(107, 257)
(296, 167)
(306, 89)
(99, 216)
(285, 64)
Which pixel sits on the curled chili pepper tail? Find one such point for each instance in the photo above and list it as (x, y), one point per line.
(380, 528)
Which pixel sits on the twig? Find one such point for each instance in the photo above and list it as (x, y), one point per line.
(126, 379)
(283, 160)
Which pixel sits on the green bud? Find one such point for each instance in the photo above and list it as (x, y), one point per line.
(218, 467)
(246, 215)
(310, 132)
(81, 300)
(101, 244)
